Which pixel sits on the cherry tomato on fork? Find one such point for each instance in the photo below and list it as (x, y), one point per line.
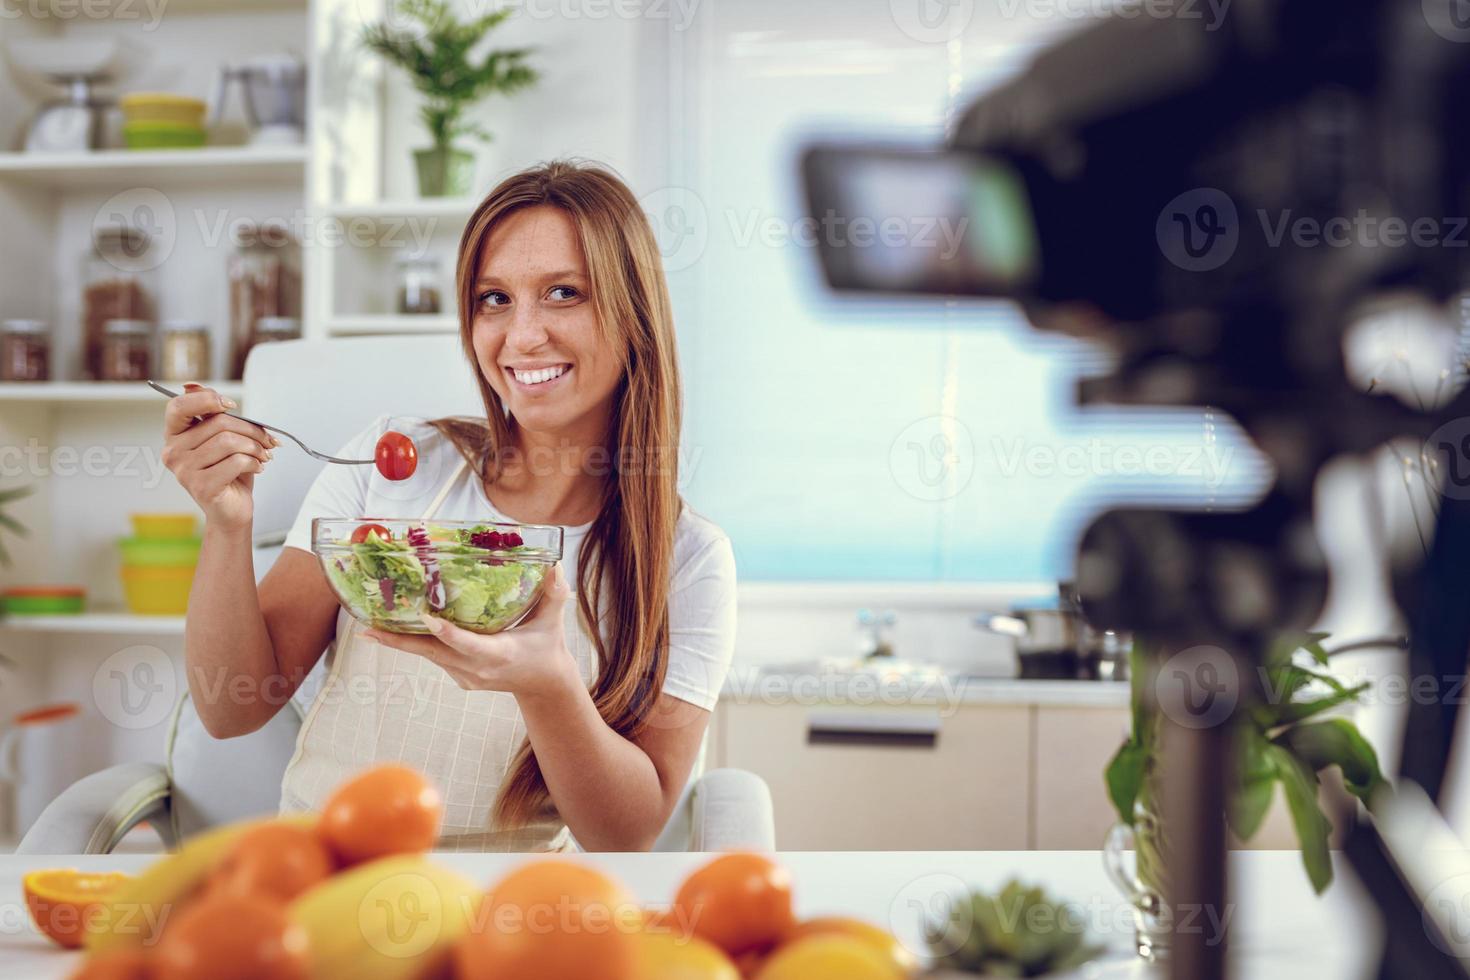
(397, 457)
(360, 535)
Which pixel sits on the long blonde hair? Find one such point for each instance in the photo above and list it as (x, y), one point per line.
(627, 557)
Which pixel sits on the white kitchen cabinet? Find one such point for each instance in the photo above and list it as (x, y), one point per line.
(1073, 746)
(886, 778)
(987, 776)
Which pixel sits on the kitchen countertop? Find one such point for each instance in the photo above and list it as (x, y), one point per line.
(1280, 930)
(907, 685)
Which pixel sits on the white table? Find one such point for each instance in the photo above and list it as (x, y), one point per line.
(1280, 930)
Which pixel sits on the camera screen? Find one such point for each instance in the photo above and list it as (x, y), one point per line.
(911, 220)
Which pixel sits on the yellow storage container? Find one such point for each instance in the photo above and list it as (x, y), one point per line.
(159, 590)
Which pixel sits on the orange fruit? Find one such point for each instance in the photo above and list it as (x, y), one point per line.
(740, 902)
(670, 957)
(275, 860)
(117, 964)
(65, 902)
(387, 810)
(832, 956)
(232, 937)
(882, 940)
(554, 920)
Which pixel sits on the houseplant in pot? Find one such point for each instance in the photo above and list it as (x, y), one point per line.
(1282, 737)
(1017, 932)
(439, 52)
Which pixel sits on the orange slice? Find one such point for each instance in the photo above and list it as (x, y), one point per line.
(63, 901)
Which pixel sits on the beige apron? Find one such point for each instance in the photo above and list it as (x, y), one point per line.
(379, 705)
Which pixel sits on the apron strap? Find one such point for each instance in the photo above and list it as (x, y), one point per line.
(444, 490)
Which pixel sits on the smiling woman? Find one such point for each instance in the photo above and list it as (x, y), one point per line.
(586, 719)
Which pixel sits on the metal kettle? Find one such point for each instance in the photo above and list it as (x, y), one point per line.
(1055, 641)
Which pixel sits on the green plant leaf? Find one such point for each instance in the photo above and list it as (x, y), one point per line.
(1336, 742)
(1296, 711)
(1299, 785)
(1124, 777)
(1284, 647)
(1256, 784)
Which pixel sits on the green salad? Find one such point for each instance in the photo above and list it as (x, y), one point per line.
(479, 578)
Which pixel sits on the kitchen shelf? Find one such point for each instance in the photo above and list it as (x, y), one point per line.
(99, 391)
(102, 621)
(210, 164)
(391, 323)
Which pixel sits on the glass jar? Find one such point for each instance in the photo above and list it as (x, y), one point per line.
(273, 328)
(127, 350)
(418, 284)
(117, 284)
(184, 351)
(25, 351)
(265, 281)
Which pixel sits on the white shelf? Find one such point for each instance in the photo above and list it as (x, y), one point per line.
(217, 164)
(391, 323)
(102, 621)
(99, 391)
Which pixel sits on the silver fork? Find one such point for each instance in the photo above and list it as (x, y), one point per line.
(270, 428)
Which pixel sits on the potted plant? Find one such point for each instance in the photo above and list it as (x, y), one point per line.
(1281, 738)
(437, 50)
(1018, 932)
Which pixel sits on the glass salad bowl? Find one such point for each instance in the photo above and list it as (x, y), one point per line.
(482, 576)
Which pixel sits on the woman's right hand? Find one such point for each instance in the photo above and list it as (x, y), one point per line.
(214, 456)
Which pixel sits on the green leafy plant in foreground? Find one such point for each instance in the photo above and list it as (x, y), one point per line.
(439, 58)
(1279, 740)
(1018, 932)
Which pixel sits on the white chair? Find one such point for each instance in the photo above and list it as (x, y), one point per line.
(325, 392)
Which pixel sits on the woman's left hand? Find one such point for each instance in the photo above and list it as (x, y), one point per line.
(531, 660)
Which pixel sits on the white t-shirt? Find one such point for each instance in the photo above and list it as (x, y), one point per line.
(701, 593)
